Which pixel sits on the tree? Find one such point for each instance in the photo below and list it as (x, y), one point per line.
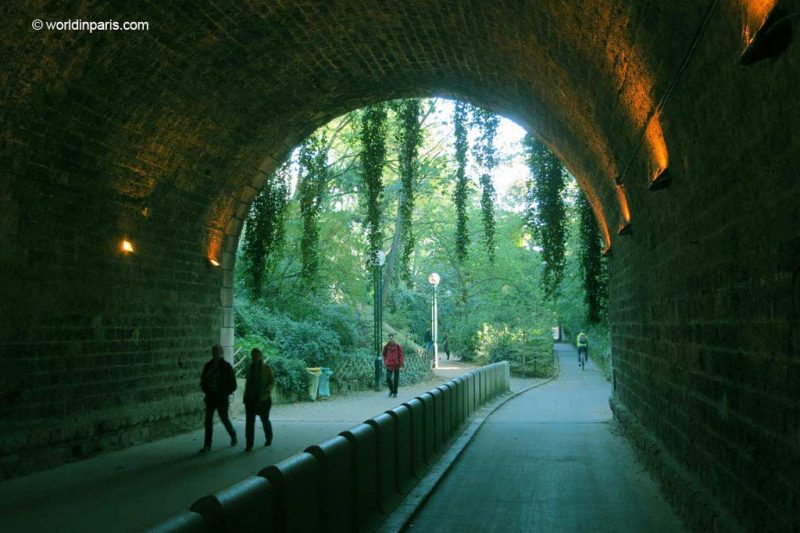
(461, 195)
(373, 158)
(312, 186)
(546, 212)
(486, 158)
(593, 266)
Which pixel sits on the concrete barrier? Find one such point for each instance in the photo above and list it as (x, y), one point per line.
(405, 448)
(386, 432)
(246, 506)
(470, 378)
(429, 421)
(447, 412)
(438, 420)
(417, 410)
(338, 513)
(458, 402)
(507, 376)
(182, 522)
(296, 482)
(480, 373)
(363, 440)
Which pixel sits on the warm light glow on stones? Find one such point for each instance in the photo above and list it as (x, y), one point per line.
(754, 13)
(213, 262)
(624, 210)
(126, 246)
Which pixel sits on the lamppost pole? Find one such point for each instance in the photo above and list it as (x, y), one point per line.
(377, 314)
(434, 280)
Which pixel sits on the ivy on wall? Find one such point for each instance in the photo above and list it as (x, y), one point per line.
(594, 269)
(312, 185)
(264, 232)
(461, 195)
(373, 158)
(410, 139)
(545, 211)
(486, 158)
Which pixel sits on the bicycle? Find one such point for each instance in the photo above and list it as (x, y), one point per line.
(582, 357)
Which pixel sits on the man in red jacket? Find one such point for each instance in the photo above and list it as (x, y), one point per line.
(393, 360)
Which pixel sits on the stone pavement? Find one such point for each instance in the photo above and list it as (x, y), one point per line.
(549, 460)
(134, 488)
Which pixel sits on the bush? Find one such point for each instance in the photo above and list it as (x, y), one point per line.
(290, 375)
(529, 351)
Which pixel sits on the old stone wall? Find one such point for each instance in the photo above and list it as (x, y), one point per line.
(163, 137)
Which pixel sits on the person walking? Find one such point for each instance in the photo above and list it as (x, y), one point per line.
(428, 341)
(446, 345)
(258, 398)
(393, 360)
(582, 343)
(217, 382)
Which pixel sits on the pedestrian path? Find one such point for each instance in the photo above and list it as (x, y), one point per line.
(137, 487)
(549, 460)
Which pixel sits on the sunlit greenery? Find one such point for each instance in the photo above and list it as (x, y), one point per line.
(398, 177)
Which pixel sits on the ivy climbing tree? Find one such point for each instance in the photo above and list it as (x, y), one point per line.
(312, 185)
(410, 138)
(264, 232)
(373, 158)
(486, 158)
(546, 212)
(461, 195)
(593, 266)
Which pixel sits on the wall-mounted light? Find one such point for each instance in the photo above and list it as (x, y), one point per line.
(126, 246)
(660, 180)
(213, 262)
(769, 39)
(624, 229)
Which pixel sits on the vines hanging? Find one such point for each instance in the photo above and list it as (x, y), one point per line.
(264, 232)
(410, 138)
(461, 194)
(312, 185)
(373, 158)
(486, 158)
(546, 212)
(593, 266)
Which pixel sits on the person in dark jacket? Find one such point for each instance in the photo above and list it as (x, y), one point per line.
(393, 360)
(218, 383)
(258, 398)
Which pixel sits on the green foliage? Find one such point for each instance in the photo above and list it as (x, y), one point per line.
(528, 350)
(593, 265)
(290, 374)
(546, 212)
(264, 232)
(373, 158)
(312, 187)
(461, 195)
(486, 158)
(410, 138)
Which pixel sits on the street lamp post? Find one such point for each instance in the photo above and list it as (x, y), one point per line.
(377, 314)
(434, 280)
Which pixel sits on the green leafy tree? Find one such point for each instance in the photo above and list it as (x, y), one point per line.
(312, 186)
(264, 232)
(593, 265)
(461, 194)
(410, 138)
(486, 158)
(373, 158)
(546, 211)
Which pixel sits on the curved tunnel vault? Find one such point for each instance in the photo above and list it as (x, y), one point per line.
(164, 138)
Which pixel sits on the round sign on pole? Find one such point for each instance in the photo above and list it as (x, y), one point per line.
(433, 279)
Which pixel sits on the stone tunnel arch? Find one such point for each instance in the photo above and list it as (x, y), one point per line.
(164, 136)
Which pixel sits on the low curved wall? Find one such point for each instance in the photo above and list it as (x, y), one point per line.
(355, 479)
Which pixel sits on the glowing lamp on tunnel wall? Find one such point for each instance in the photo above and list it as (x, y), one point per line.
(660, 180)
(772, 36)
(213, 262)
(126, 246)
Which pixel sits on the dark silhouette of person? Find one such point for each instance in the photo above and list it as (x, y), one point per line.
(258, 398)
(218, 383)
(393, 360)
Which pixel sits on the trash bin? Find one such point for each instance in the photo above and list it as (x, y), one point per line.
(313, 382)
(325, 382)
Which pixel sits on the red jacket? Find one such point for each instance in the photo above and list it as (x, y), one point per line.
(393, 356)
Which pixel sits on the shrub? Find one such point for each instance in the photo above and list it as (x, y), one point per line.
(290, 375)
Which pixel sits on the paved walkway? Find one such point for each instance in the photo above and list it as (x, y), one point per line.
(134, 488)
(549, 460)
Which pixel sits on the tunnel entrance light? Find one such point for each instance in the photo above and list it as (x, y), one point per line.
(213, 262)
(126, 246)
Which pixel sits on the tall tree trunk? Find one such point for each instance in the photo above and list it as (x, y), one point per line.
(395, 252)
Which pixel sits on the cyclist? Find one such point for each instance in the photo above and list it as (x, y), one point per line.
(582, 343)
